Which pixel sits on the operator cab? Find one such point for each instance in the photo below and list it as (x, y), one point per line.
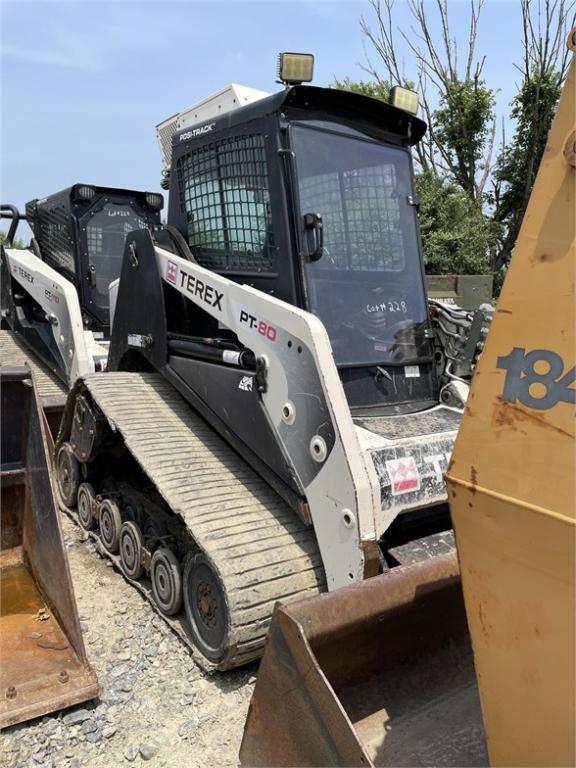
(308, 195)
(80, 232)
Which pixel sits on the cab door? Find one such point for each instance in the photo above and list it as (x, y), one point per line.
(102, 234)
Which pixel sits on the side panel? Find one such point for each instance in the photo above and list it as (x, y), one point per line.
(58, 298)
(302, 398)
(299, 363)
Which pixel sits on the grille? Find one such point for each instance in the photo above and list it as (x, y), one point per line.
(224, 192)
(165, 133)
(54, 237)
(361, 217)
(413, 424)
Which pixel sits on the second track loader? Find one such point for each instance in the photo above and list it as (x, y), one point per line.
(55, 292)
(281, 399)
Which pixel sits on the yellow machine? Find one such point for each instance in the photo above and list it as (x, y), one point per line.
(381, 673)
(511, 479)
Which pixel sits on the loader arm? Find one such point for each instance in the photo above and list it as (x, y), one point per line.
(58, 299)
(297, 365)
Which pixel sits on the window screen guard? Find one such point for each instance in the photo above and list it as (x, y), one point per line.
(56, 238)
(106, 233)
(367, 287)
(224, 192)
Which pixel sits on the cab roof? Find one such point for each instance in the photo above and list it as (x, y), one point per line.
(372, 115)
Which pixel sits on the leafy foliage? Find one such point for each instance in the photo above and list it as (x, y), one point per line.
(376, 89)
(533, 109)
(466, 227)
(457, 237)
(16, 244)
(462, 128)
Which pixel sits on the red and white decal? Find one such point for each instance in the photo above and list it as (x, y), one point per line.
(260, 326)
(171, 272)
(51, 296)
(404, 475)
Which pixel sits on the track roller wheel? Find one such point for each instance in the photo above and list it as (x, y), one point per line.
(166, 579)
(206, 607)
(131, 543)
(110, 525)
(67, 474)
(86, 503)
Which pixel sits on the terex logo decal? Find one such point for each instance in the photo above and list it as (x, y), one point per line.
(438, 461)
(268, 331)
(23, 273)
(171, 272)
(198, 288)
(404, 475)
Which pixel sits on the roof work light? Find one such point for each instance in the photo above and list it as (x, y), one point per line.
(295, 68)
(404, 99)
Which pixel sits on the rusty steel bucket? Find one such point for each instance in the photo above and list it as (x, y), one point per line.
(378, 673)
(43, 664)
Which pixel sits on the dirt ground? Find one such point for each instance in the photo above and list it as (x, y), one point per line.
(157, 704)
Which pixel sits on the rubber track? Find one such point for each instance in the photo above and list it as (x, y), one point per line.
(13, 351)
(259, 546)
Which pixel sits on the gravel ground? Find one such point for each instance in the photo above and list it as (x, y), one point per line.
(157, 705)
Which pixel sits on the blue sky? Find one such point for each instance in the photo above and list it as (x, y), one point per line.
(84, 83)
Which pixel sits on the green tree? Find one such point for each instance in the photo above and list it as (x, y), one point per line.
(462, 130)
(376, 89)
(543, 71)
(456, 158)
(16, 244)
(460, 112)
(456, 235)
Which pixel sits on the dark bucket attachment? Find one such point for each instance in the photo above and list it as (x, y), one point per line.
(43, 664)
(379, 673)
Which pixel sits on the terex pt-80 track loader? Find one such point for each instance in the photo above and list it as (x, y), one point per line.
(275, 409)
(55, 293)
